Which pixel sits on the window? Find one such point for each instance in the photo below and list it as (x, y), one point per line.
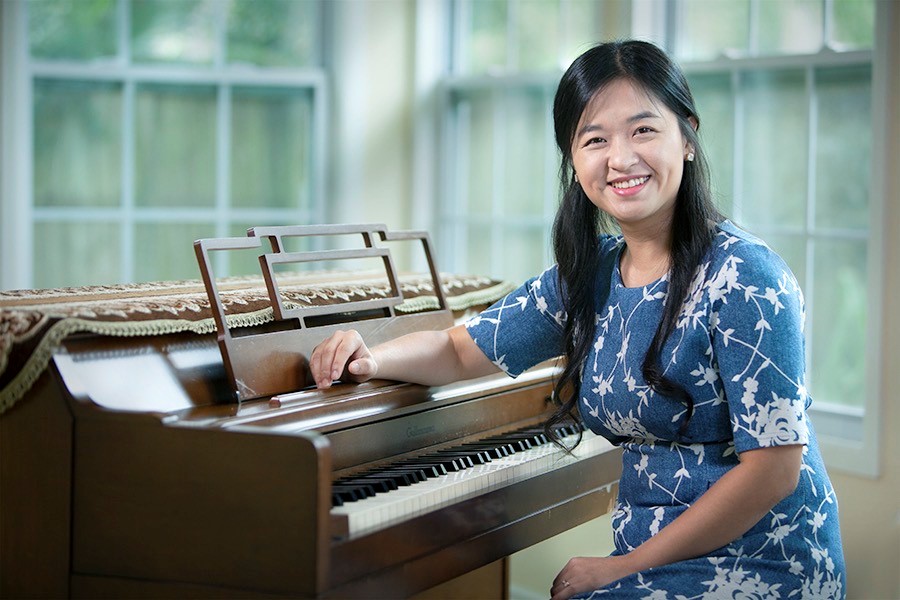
(784, 91)
(501, 179)
(787, 122)
(152, 124)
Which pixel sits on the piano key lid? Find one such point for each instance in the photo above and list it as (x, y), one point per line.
(272, 358)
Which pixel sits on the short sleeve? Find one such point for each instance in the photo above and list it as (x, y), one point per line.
(524, 328)
(756, 325)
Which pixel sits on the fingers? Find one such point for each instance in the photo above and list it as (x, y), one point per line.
(343, 350)
(562, 589)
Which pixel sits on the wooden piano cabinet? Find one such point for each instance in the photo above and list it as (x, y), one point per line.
(240, 508)
(35, 477)
(490, 582)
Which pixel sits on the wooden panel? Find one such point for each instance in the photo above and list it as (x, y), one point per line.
(490, 582)
(242, 508)
(92, 588)
(35, 481)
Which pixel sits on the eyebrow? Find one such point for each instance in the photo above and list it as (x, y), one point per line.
(638, 117)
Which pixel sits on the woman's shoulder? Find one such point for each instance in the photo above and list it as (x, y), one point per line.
(739, 260)
(731, 244)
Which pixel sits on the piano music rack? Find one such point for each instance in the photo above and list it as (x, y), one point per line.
(266, 363)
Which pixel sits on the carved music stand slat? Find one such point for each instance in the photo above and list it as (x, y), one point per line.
(261, 364)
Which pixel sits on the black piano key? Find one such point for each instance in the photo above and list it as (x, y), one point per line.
(450, 463)
(379, 485)
(456, 458)
(410, 475)
(476, 458)
(430, 468)
(348, 493)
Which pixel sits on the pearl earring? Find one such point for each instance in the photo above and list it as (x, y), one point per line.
(576, 177)
(690, 157)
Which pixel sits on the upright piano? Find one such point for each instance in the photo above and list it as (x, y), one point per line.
(162, 440)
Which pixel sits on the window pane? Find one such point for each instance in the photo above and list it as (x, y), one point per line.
(775, 142)
(537, 34)
(790, 26)
(175, 146)
(485, 37)
(70, 254)
(72, 29)
(165, 251)
(715, 105)
(271, 153)
(844, 149)
(475, 151)
(77, 143)
(525, 149)
(839, 322)
(581, 23)
(854, 24)
(275, 33)
(479, 258)
(710, 28)
(525, 254)
(173, 32)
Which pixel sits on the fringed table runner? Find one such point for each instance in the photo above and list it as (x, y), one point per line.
(33, 323)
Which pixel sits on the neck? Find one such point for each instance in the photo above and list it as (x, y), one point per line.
(646, 257)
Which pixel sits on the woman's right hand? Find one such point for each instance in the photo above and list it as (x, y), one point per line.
(345, 356)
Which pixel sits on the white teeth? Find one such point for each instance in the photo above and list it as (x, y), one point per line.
(622, 185)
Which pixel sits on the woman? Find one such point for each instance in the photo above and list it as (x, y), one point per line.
(683, 339)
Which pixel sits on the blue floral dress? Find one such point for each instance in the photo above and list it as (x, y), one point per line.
(738, 349)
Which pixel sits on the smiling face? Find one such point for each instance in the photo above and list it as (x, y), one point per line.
(628, 154)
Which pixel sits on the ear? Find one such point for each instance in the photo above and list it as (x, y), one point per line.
(694, 123)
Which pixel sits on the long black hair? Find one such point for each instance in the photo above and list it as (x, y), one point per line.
(579, 222)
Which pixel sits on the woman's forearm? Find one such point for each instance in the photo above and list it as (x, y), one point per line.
(431, 358)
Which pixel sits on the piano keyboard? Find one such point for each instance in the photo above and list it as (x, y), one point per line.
(377, 498)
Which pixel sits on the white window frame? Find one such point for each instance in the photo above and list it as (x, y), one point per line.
(849, 437)
(18, 215)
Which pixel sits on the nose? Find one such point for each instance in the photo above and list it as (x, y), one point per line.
(621, 155)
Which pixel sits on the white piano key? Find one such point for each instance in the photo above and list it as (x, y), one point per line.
(433, 493)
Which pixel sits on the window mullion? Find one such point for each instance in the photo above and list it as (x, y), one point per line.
(460, 221)
(753, 28)
(498, 104)
(223, 169)
(551, 159)
(828, 23)
(810, 229)
(123, 25)
(737, 192)
(17, 153)
(127, 222)
(512, 38)
(126, 217)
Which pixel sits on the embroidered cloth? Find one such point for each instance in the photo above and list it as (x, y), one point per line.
(34, 322)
